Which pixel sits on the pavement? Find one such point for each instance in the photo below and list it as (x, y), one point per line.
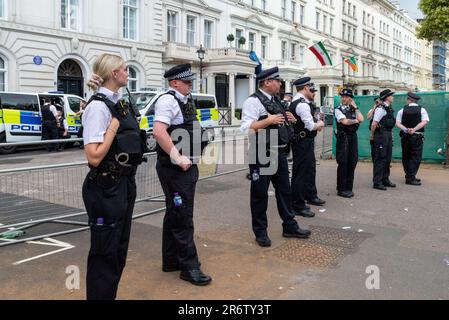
(378, 245)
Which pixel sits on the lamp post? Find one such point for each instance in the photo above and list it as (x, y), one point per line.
(201, 53)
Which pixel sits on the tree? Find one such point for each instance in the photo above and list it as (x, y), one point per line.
(242, 41)
(435, 25)
(230, 38)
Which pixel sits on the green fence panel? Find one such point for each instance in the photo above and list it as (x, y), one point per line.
(436, 104)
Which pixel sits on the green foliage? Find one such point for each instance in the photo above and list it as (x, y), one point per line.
(242, 41)
(230, 37)
(435, 25)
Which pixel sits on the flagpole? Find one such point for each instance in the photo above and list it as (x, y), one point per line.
(343, 70)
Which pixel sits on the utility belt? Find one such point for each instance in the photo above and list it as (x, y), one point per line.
(344, 133)
(383, 129)
(111, 170)
(296, 137)
(416, 134)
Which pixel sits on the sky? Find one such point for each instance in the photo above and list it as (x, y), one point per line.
(412, 7)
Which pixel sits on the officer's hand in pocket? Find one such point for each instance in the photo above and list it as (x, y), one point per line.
(184, 163)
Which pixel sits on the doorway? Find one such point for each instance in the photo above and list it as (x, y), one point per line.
(70, 78)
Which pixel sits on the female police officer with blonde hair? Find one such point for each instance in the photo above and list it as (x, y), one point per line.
(114, 148)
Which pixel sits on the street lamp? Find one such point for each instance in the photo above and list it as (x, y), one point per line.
(201, 53)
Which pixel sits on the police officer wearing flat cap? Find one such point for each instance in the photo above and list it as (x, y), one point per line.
(303, 146)
(411, 120)
(348, 118)
(381, 128)
(263, 111)
(178, 135)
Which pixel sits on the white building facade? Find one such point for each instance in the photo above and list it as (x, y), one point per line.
(50, 44)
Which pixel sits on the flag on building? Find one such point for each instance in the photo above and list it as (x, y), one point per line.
(320, 52)
(352, 62)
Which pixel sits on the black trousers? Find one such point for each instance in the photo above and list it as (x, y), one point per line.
(50, 132)
(382, 153)
(259, 195)
(178, 245)
(304, 172)
(347, 158)
(114, 203)
(412, 149)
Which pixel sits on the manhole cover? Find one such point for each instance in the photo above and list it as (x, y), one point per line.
(325, 248)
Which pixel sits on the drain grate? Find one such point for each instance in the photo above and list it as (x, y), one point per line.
(325, 248)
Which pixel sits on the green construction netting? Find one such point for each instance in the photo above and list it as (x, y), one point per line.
(436, 104)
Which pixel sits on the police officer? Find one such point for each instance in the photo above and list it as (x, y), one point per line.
(287, 101)
(175, 115)
(381, 128)
(264, 116)
(411, 120)
(348, 117)
(114, 147)
(49, 124)
(303, 146)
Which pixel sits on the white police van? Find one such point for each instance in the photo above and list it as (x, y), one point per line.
(21, 117)
(206, 106)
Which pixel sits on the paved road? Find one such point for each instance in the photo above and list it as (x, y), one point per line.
(402, 233)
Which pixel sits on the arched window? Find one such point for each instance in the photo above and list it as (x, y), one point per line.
(3, 74)
(133, 79)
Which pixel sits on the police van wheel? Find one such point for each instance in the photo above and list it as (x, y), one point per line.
(151, 142)
(6, 150)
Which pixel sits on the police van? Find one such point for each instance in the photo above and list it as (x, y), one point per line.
(20, 116)
(206, 108)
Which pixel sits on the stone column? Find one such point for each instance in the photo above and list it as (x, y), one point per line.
(232, 96)
(211, 84)
(330, 96)
(288, 86)
(252, 84)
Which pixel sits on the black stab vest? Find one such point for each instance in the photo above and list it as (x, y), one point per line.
(411, 117)
(284, 131)
(129, 144)
(190, 128)
(47, 115)
(350, 114)
(299, 127)
(388, 122)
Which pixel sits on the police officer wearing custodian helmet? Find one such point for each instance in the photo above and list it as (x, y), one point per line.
(114, 147)
(348, 118)
(178, 134)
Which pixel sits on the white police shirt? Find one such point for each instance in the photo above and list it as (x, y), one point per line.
(303, 111)
(424, 114)
(167, 109)
(379, 113)
(52, 109)
(252, 111)
(339, 115)
(97, 117)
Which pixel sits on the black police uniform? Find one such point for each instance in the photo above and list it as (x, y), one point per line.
(383, 148)
(260, 183)
(412, 145)
(49, 126)
(347, 153)
(304, 161)
(178, 246)
(109, 194)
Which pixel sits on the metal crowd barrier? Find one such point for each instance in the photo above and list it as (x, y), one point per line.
(30, 197)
